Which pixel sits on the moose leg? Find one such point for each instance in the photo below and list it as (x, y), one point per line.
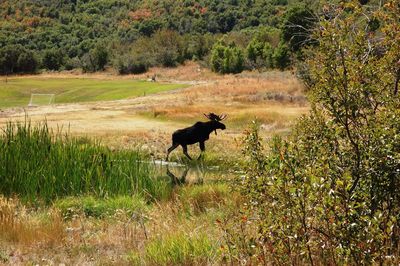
(173, 147)
(184, 147)
(202, 149)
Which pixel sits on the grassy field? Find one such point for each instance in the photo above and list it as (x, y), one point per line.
(93, 203)
(17, 91)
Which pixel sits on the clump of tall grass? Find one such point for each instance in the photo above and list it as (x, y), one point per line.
(99, 207)
(199, 199)
(177, 249)
(39, 163)
(18, 225)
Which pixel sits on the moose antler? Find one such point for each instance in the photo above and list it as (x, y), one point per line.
(215, 117)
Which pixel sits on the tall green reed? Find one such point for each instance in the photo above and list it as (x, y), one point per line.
(39, 163)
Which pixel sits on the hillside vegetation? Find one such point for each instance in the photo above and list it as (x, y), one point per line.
(133, 35)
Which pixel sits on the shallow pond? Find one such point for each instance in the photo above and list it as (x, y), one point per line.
(194, 173)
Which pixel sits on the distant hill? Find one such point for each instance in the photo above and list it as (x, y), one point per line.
(76, 25)
(58, 34)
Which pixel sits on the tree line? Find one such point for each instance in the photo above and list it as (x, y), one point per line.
(132, 36)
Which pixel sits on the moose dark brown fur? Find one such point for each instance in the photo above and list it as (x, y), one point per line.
(198, 133)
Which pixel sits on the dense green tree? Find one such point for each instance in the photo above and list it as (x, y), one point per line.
(53, 59)
(101, 56)
(9, 58)
(233, 60)
(168, 48)
(131, 64)
(199, 45)
(267, 53)
(17, 59)
(96, 59)
(217, 57)
(254, 50)
(226, 59)
(27, 62)
(297, 26)
(281, 57)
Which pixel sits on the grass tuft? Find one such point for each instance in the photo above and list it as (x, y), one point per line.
(177, 249)
(98, 207)
(198, 199)
(17, 225)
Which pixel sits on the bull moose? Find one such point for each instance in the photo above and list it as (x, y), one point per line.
(199, 132)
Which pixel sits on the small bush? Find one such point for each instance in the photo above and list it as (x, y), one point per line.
(130, 64)
(226, 59)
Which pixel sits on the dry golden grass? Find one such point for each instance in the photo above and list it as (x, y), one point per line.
(190, 71)
(231, 86)
(27, 238)
(18, 226)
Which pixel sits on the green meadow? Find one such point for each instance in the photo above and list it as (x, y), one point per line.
(17, 92)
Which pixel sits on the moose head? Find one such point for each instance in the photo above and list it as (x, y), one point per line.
(216, 119)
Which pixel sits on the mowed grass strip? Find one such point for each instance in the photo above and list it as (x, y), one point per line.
(17, 91)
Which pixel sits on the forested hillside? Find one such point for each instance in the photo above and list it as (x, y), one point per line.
(133, 35)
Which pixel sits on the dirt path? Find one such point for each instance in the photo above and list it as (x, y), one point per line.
(94, 117)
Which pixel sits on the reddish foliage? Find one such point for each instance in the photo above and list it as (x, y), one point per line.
(140, 14)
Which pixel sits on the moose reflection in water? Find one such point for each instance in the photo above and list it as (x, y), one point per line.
(198, 133)
(182, 178)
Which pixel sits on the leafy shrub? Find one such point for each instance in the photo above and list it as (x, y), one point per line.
(53, 59)
(329, 193)
(254, 50)
(129, 64)
(281, 56)
(96, 59)
(27, 62)
(233, 60)
(217, 57)
(260, 54)
(227, 59)
(73, 63)
(168, 48)
(267, 54)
